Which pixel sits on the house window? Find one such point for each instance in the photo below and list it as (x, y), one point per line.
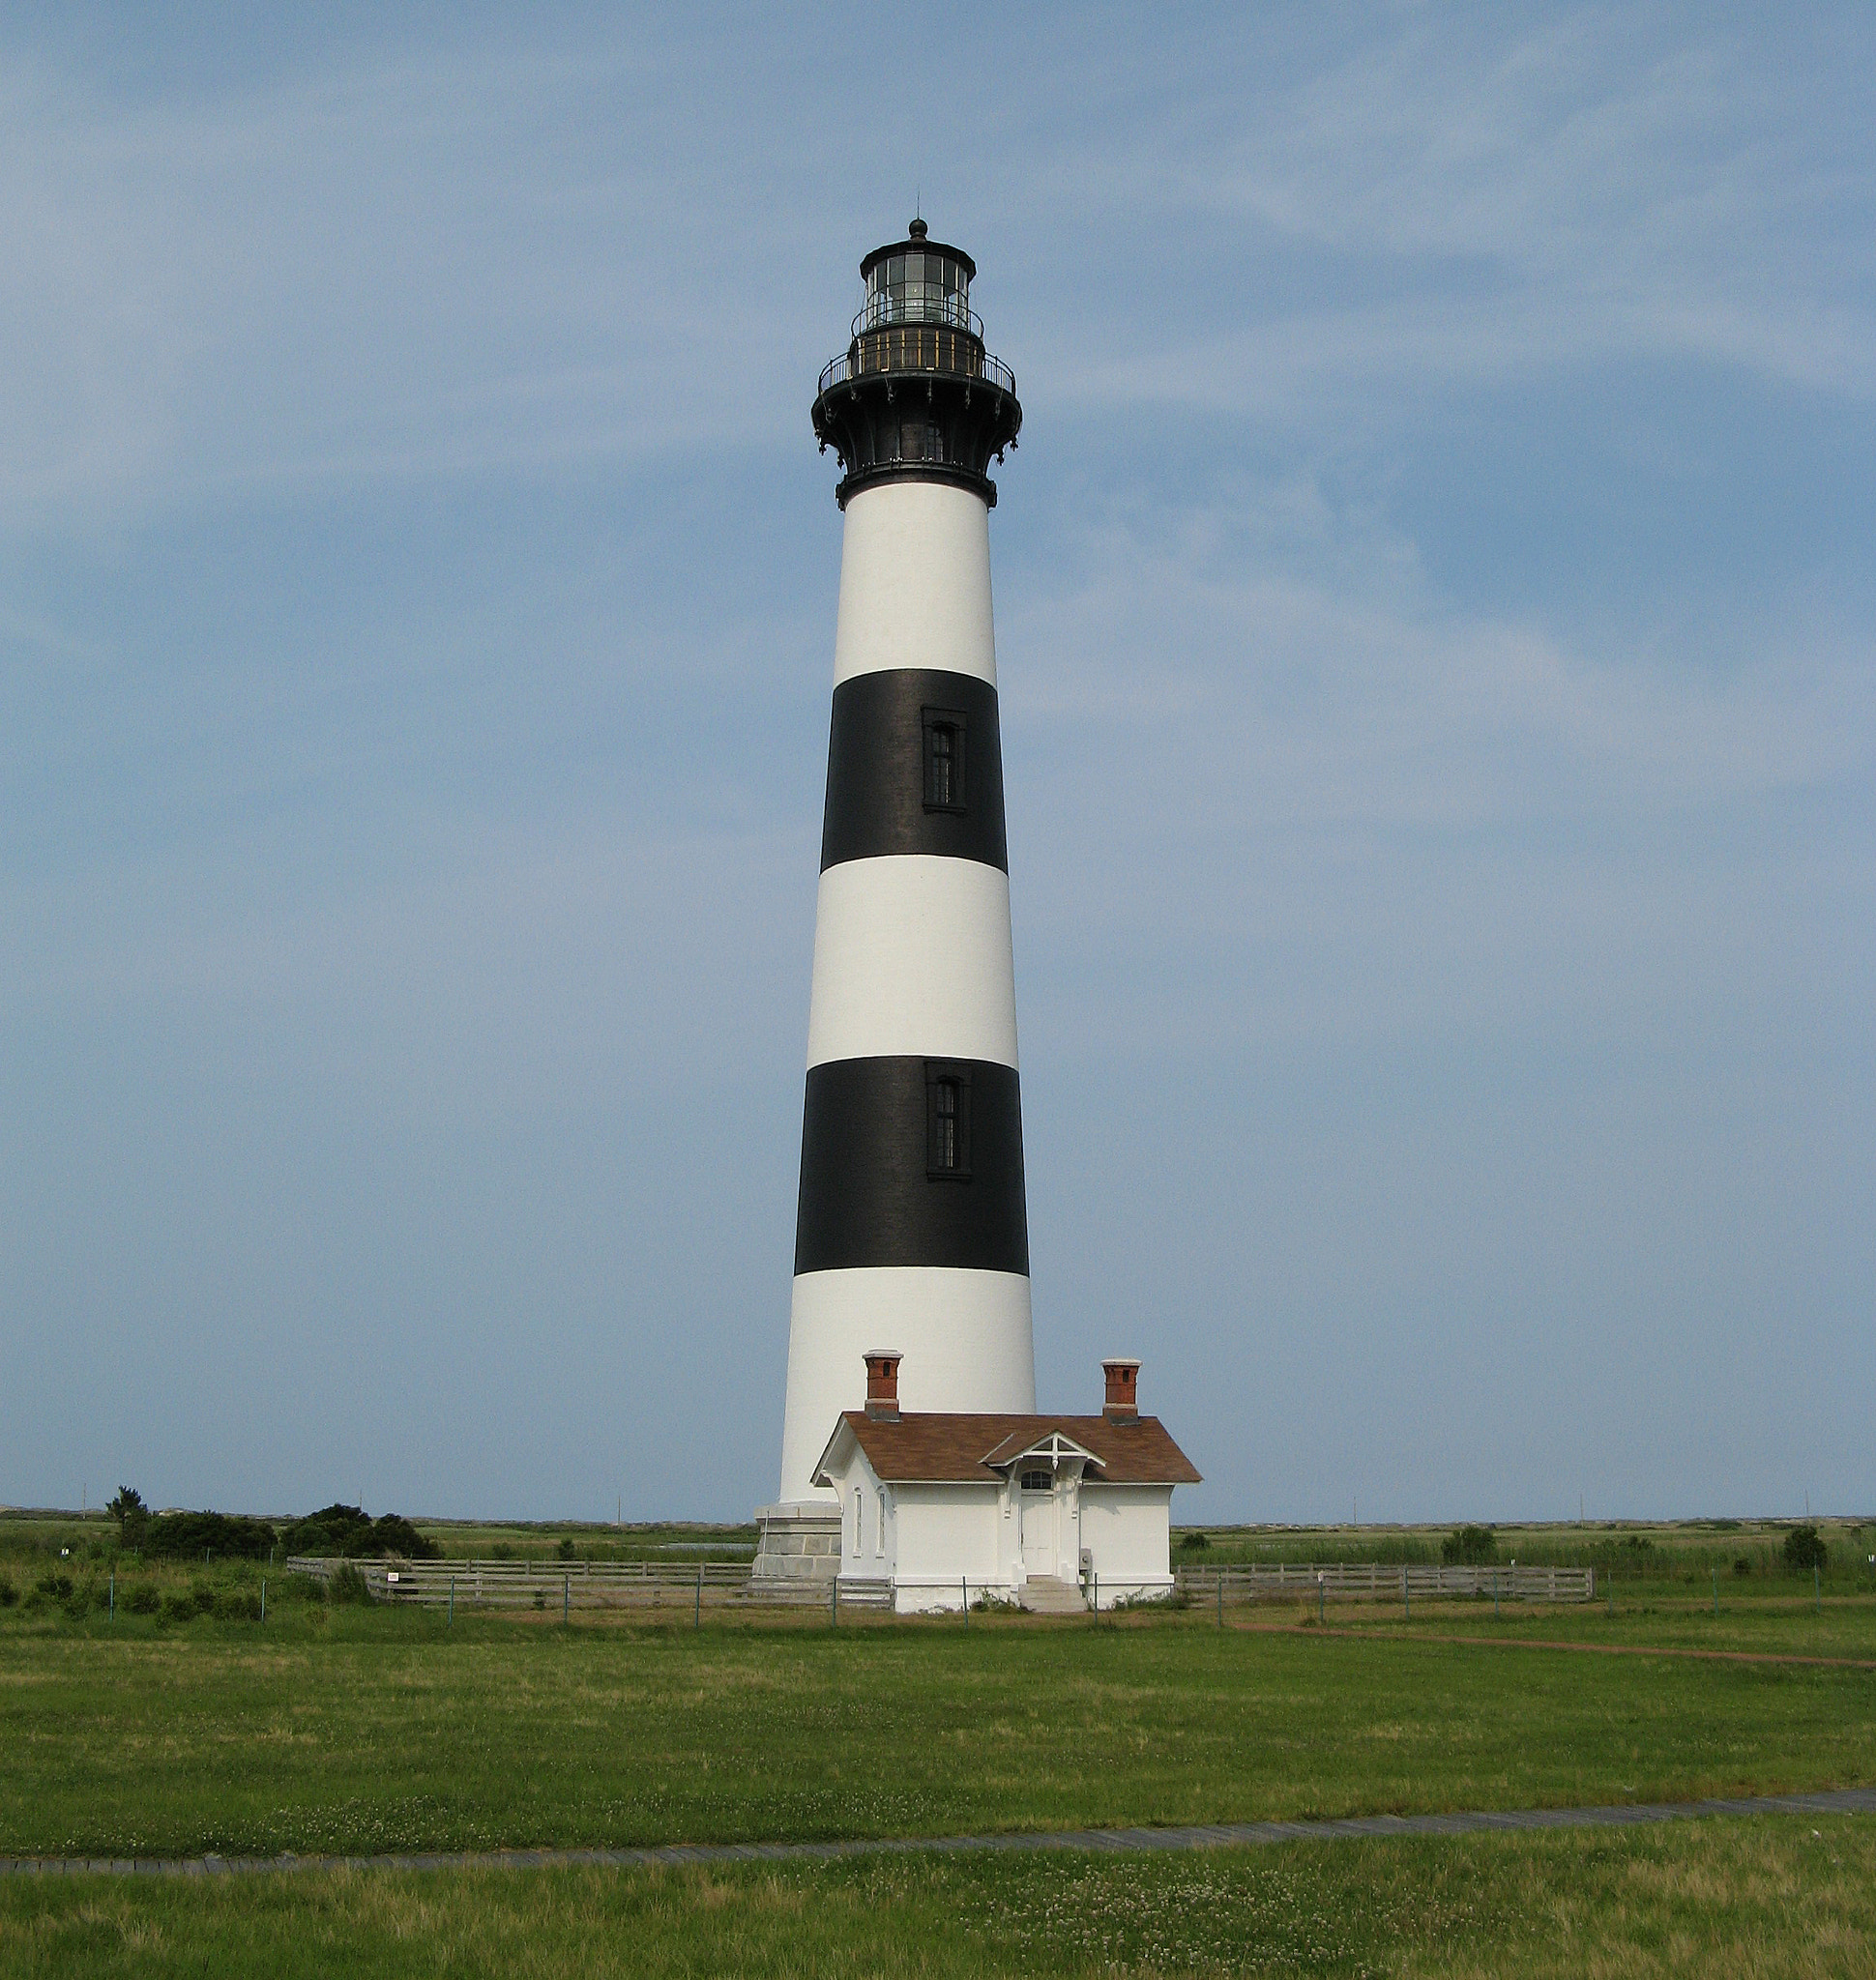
(947, 1122)
(879, 1546)
(858, 1504)
(944, 756)
(1037, 1481)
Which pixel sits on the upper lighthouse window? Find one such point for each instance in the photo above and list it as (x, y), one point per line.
(943, 729)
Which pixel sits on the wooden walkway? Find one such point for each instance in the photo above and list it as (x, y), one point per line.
(1211, 1836)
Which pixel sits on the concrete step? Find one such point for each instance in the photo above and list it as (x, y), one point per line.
(1045, 1594)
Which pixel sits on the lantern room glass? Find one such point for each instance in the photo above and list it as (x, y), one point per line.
(918, 285)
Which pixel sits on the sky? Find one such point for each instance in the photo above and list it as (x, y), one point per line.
(1435, 597)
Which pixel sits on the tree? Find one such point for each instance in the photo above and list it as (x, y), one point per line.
(1470, 1547)
(130, 1513)
(1804, 1548)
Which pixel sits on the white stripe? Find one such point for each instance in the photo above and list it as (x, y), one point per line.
(966, 1337)
(912, 956)
(915, 582)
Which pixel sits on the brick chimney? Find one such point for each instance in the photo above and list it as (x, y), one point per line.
(1123, 1403)
(883, 1383)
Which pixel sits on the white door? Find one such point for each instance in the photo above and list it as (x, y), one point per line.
(1037, 1500)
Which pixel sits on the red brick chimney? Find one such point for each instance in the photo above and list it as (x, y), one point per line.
(883, 1383)
(1123, 1403)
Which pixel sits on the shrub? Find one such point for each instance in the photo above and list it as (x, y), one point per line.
(143, 1599)
(1804, 1548)
(237, 1604)
(347, 1531)
(8, 1594)
(347, 1584)
(567, 1548)
(1194, 1543)
(501, 1550)
(1742, 1565)
(1469, 1546)
(178, 1605)
(187, 1535)
(54, 1584)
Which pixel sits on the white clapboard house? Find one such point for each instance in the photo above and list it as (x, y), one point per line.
(942, 1508)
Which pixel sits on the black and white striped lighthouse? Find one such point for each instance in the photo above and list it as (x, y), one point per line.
(912, 1231)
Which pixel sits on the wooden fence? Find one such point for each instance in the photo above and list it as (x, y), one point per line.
(568, 1584)
(1367, 1581)
(697, 1585)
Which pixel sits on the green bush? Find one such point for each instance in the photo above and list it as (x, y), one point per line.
(178, 1605)
(143, 1599)
(1469, 1546)
(1805, 1549)
(347, 1584)
(1742, 1565)
(8, 1594)
(1193, 1543)
(187, 1536)
(237, 1604)
(54, 1584)
(567, 1548)
(347, 1531)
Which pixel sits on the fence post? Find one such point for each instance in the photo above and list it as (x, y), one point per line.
(114, 1609)
(1494, 1595)
(566, 1599)
(965, 1590)
(699, 1615)
(1322, 1598)
(263, 1598)
(452, 1603)
(1220, 1598)
(1406, 1606)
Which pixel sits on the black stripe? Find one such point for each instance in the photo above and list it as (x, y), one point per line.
(876, 787)
(867, 1195)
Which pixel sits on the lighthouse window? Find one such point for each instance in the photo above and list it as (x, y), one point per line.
(948, 1123)
(944, 755)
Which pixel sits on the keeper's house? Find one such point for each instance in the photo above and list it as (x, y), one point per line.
(1053, 1512)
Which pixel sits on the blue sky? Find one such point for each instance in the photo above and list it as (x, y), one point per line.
(1434, 606)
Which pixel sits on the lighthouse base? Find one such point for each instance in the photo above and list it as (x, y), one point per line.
(800, 1543)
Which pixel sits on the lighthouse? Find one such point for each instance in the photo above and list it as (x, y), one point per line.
(911, 1229)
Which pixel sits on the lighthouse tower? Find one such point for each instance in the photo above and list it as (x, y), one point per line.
(912, 1231)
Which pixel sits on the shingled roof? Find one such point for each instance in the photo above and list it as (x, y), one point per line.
(933, 1447)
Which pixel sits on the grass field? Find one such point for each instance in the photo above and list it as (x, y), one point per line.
(1764, 1898)
(359, 1729)
(362, 1729)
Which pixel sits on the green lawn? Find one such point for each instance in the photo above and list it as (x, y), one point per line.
(362, 1729)
(1767, 1898)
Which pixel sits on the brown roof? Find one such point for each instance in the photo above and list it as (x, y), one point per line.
(932, 1447)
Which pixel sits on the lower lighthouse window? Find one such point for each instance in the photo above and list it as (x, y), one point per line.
(948, 1123)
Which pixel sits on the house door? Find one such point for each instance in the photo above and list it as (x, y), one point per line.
(1038, 1499)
